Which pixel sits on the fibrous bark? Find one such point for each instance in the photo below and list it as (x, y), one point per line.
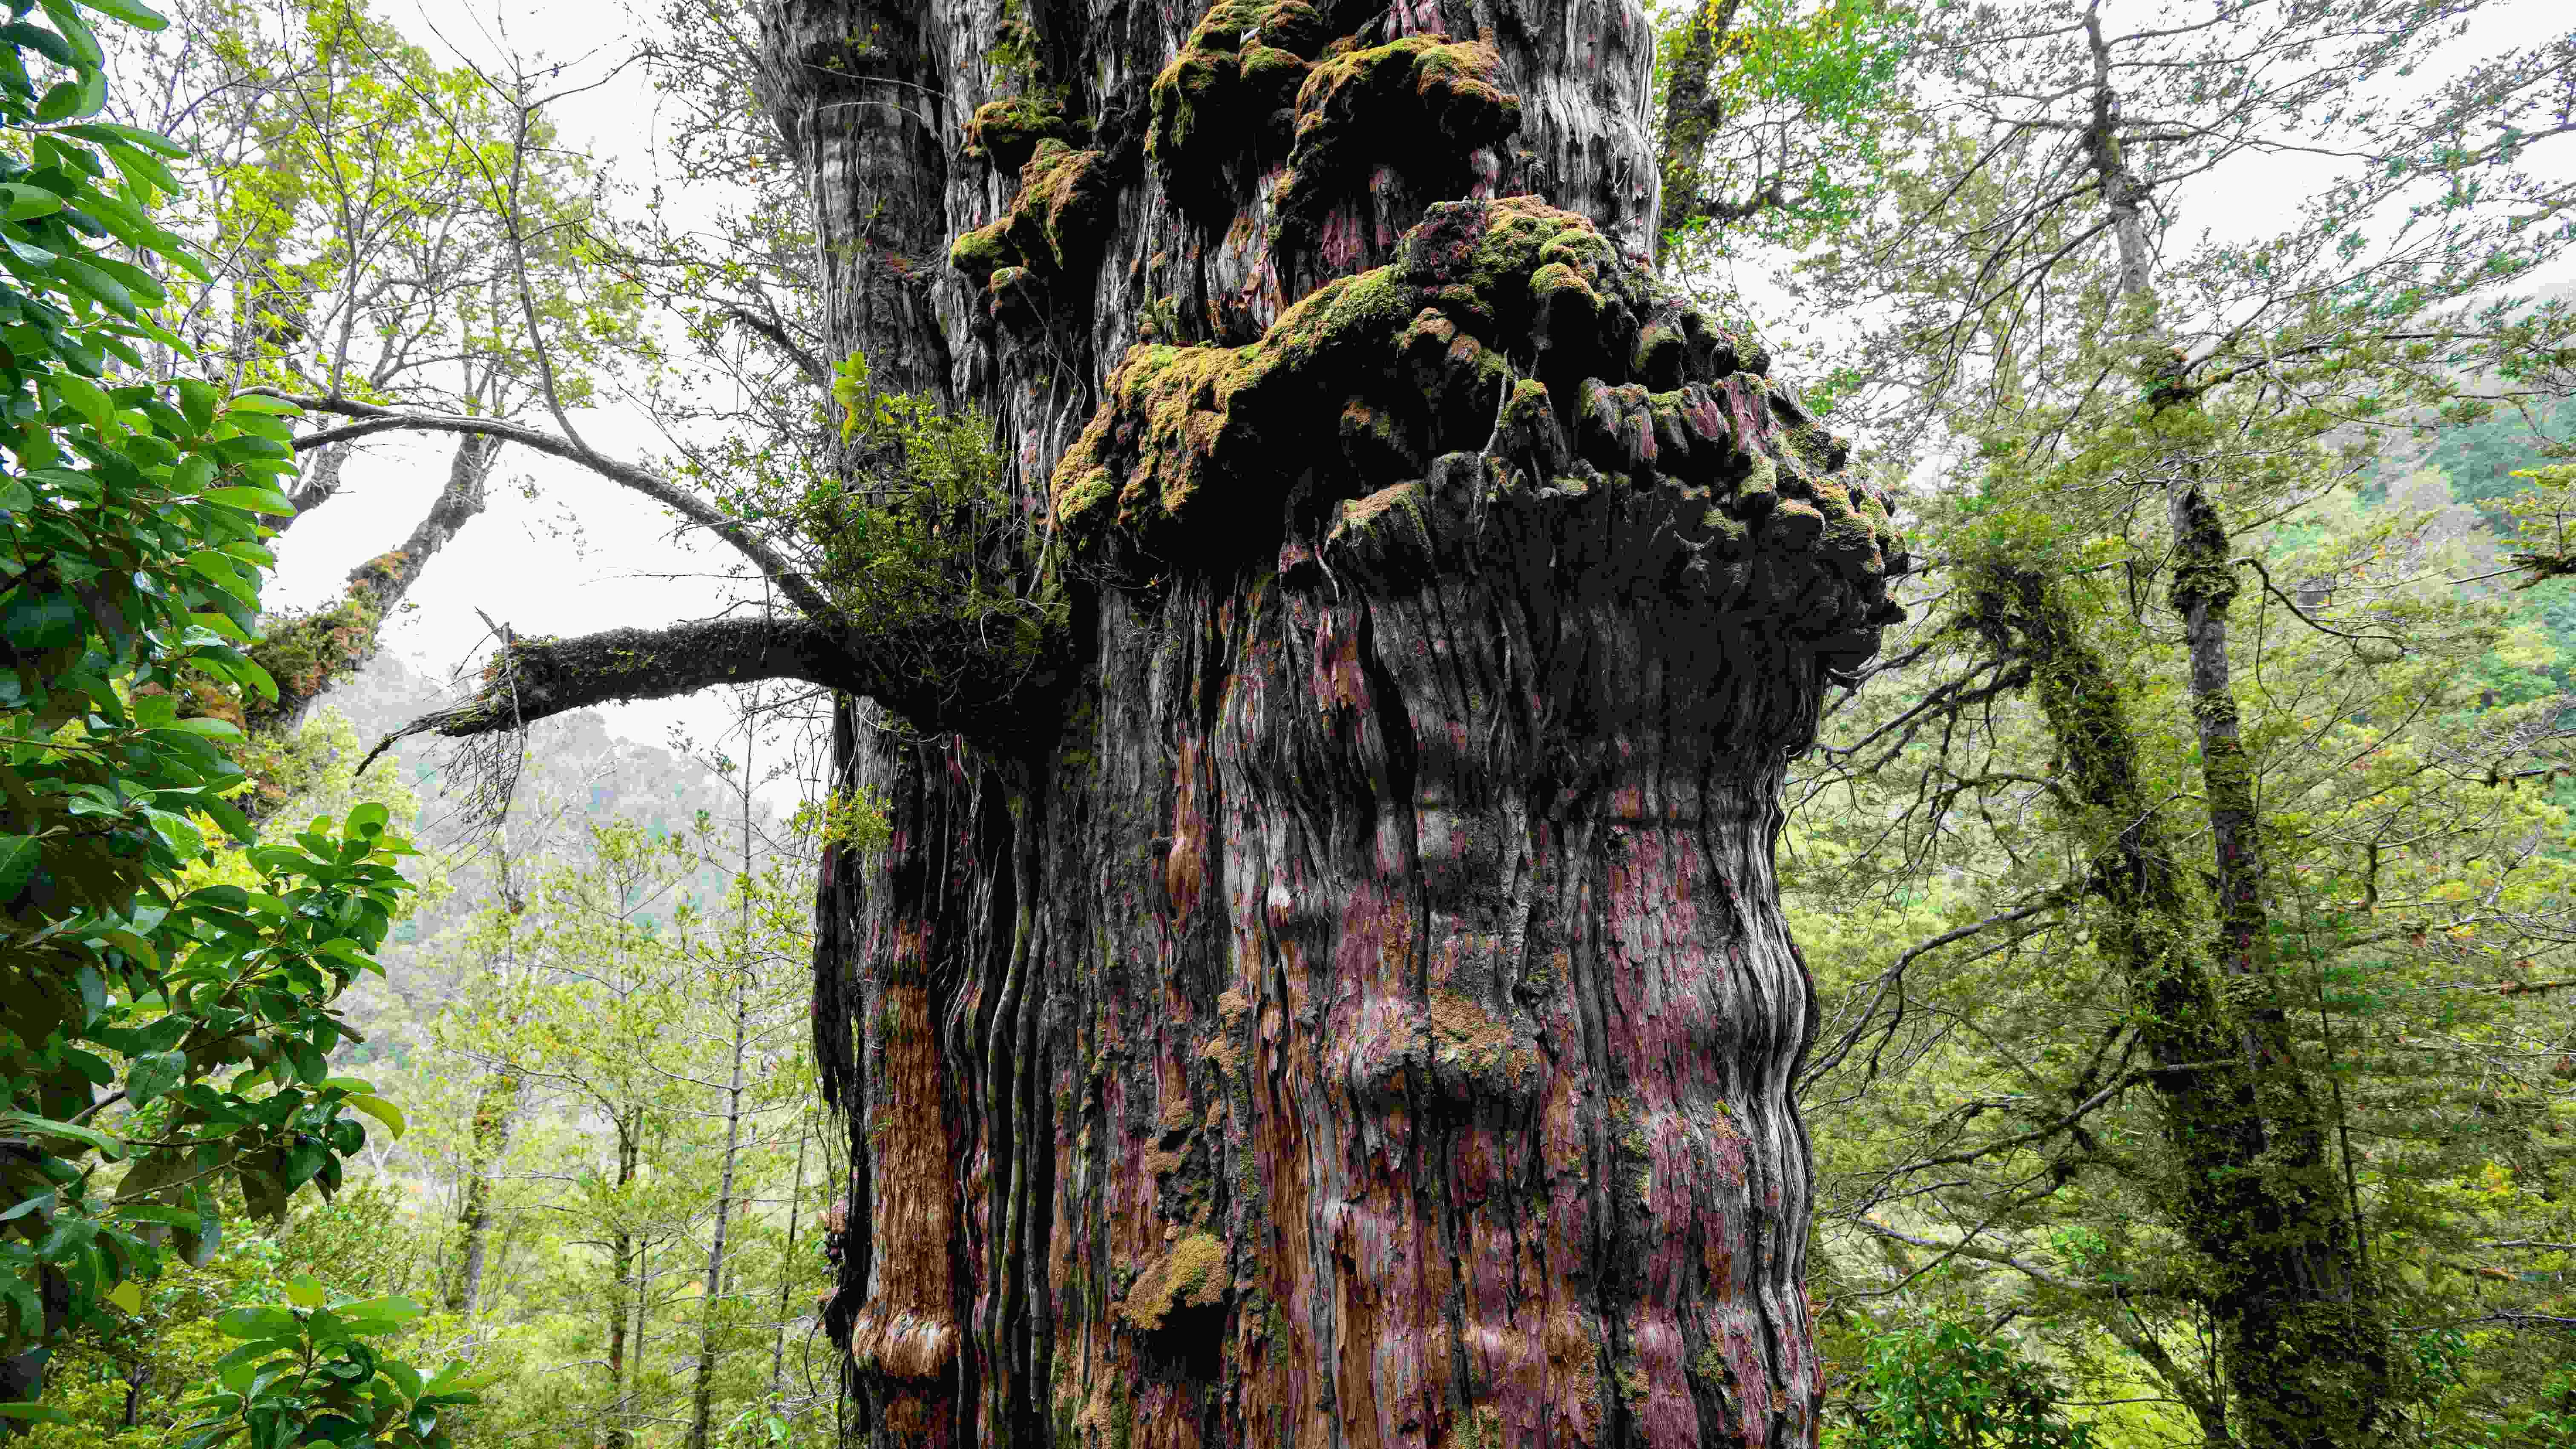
(1348, 1003)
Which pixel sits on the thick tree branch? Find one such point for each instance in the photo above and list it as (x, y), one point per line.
(538, 678)
(371, 420)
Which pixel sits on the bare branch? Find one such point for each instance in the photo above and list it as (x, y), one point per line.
(372, 420)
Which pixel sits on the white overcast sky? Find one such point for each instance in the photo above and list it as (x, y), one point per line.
(576, 553)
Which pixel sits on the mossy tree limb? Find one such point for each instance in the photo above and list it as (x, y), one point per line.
(534, 679)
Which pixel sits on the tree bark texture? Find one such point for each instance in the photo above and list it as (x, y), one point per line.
(1363, 1015)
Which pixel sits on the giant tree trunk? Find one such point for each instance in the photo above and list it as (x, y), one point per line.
(1355, 1008)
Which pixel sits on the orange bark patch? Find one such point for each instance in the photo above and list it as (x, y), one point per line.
(907, 1329)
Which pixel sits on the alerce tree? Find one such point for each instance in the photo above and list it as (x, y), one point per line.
(1325, 631)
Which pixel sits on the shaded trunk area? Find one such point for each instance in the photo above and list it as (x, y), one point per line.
(1358, 1011)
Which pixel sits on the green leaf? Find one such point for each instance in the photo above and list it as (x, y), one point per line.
(254, 402)
(395, 1310)
(62, 101)
(257, 500)
(368, 818)
(96, 1141)
(19, 855)
(405, 1377)
(141, 17)
(153, 1074)
(127, 1296)
(257, 1322)
(180, 832)
(383, 1111)
(305, 1291)
(108, 290)
(25, 203)
(197, 400)
(67, 19)
(35, 1413)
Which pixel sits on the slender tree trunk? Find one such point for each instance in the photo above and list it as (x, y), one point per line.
(2303, 1339)
(702, 1409)
(2267, 1227)
(624, 1293)
(1360, 1013)
(787, 1271)
(495, 1107)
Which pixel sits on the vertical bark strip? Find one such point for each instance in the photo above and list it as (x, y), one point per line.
(1364, 1017)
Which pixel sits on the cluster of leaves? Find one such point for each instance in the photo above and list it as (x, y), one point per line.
(306, 1374)
(130, 558)
(931, 543)
(1797, 104)
(1944, 1385)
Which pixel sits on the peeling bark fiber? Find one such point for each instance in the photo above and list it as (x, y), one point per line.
(1365, 1017)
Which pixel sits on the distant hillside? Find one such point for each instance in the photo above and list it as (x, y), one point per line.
(576, 775)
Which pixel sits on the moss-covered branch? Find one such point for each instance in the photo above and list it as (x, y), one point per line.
(533, 679)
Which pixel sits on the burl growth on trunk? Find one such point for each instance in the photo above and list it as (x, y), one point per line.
(1370, 1022)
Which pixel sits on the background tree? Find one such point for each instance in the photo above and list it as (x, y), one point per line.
(385, 229)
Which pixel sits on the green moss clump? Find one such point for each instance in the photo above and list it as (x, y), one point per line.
(1062, 208)
(1189, 1274)
(1229, 90)
(1506, 331)
(1053, 229)
(1187, 416)
(1005, 133)
(1421, 103)
(985, 250)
